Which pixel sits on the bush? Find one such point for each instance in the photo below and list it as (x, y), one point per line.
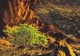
(27, 35)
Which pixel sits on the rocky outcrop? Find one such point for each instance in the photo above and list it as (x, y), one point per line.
(18, 11)
(14, 12)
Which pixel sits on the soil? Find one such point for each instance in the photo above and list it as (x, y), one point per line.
(58, 15)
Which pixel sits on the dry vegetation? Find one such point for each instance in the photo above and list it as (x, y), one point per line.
(40, 37)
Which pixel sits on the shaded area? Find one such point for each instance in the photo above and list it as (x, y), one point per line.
(3, 5)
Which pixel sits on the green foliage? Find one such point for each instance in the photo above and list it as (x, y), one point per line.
(27, 35)
(70, 35)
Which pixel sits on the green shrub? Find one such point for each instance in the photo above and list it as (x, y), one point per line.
(27, 35)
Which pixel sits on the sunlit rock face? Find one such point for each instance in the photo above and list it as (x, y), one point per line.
(14, 12)
(18, 11)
